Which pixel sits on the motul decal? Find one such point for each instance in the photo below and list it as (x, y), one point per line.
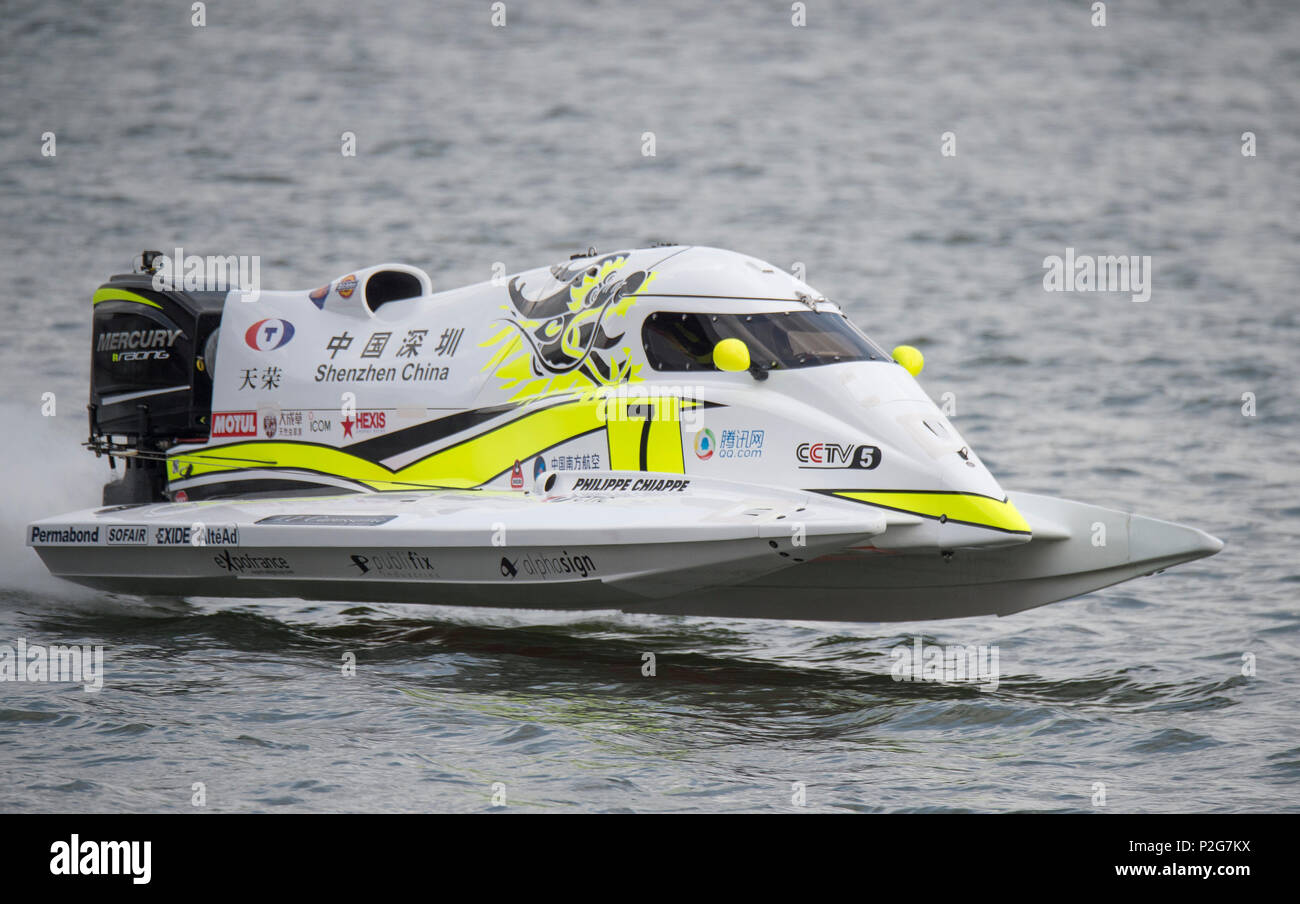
(234, 423)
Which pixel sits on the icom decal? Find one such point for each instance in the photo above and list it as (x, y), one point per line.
(234, 423)
(566, 340)
(269, 334)
(812, 456)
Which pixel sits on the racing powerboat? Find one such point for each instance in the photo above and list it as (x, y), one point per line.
(673, 429)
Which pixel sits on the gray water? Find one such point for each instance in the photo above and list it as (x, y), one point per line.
(818, 145)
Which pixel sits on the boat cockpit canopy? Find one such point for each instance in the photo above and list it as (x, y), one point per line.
(682, 341)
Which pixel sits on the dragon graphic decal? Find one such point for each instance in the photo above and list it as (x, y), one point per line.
(564, 341)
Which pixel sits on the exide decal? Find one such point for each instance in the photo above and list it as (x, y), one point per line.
(234, 423)
(269, 334)
(347, 285)
(837, 455)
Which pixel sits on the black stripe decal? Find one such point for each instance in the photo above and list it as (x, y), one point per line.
(399, 441)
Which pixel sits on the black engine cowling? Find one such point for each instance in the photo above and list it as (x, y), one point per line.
(150, 377)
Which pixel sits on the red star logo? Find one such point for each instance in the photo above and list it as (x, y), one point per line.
(347, 427)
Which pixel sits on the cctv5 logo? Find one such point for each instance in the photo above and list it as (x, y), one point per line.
(837, 455)
(268, 334)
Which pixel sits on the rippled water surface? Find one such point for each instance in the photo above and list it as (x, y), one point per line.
(817, 145)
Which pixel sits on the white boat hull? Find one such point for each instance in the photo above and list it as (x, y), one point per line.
(710, 548)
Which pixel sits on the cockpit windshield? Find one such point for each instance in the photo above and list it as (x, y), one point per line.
(789, 339)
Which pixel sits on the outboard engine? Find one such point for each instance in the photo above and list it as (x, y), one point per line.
(152, 355)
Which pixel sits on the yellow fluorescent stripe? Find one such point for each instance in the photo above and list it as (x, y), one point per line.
(121, 295)
(625, 432)
(468, 464)
(964, 507)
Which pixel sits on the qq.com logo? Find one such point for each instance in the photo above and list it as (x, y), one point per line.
(705, 444)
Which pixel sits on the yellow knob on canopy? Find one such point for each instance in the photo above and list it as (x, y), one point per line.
(911, 359)
(731, 355)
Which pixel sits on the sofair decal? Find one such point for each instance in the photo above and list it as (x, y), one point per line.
(563, 341)
(128, 535)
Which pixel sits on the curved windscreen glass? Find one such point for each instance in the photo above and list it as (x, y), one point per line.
(684, 341)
